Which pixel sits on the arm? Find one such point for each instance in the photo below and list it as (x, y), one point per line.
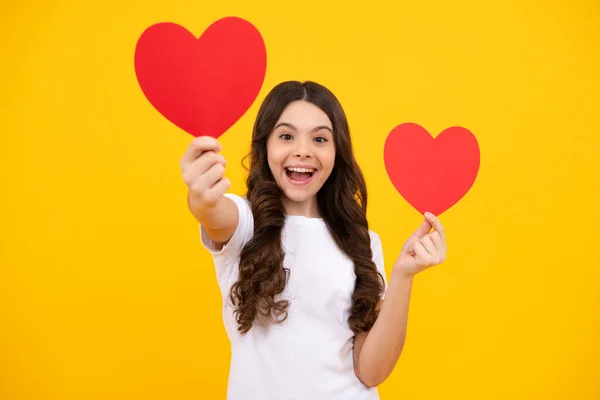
(203, 171)
(377, 352)
(219, 220)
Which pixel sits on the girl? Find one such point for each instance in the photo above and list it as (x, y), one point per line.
(301, 275)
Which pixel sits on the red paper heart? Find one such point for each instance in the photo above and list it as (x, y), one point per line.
(431, 174)
(201, 85)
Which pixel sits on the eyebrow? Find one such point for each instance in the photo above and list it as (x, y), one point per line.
(318, 128)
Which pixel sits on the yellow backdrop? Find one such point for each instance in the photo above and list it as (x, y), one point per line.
(105, 292)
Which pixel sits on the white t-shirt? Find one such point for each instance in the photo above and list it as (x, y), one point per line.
(310, 355)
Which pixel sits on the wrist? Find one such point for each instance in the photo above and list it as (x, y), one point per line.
(401, 274)
(197, 202)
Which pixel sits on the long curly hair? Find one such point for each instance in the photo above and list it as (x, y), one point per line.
(342, 202)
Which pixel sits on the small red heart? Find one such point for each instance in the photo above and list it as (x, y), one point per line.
(431, 174)
(201, 85)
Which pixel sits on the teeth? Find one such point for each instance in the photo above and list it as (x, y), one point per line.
(301, 169)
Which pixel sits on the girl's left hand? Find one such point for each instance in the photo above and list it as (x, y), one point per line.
(423, 249)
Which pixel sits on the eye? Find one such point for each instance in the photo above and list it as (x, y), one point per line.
(286, 136)
(321, 139)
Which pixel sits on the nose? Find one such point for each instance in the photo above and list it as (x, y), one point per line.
(302, 149)
(302, 154)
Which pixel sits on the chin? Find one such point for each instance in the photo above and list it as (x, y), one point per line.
(299, 193)
(298, 197)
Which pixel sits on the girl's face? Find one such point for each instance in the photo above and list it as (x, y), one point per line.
(301, 155)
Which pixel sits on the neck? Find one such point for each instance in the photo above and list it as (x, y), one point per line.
(308, 208)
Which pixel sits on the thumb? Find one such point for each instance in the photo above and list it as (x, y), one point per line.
(421, 230)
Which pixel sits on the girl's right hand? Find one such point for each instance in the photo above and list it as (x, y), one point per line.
(202, 170)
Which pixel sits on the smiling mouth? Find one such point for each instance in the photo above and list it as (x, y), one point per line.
(299, 176)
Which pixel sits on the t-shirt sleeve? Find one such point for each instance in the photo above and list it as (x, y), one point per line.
(231, 251)
(377, 249)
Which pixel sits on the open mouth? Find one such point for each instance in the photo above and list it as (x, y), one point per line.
(300, 175)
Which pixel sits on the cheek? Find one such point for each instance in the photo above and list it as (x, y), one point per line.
(275, 156)
(275, 159)
(328, 159)
(272, 164)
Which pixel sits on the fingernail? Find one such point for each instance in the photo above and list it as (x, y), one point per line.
(428, 214)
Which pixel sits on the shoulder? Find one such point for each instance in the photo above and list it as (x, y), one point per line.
(377, 250)
(375, 240)
(240, 201)
(245, 216)
(243, 207)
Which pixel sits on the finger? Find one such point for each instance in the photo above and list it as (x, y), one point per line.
(421, 254)
(437, 225)
(207, 160)
(428, 245)
(213, 175)
(409, 243)
(423, 229)
(437, 241)
(197, 147)
(201, 183)
(218, 190)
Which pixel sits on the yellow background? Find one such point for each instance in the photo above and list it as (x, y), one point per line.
(105, 292)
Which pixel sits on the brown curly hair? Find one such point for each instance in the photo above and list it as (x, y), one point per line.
(342, 202)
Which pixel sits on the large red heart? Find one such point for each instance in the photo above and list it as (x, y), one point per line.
(431, 174)
(201, 85)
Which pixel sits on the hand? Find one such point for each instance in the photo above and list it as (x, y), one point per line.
(423, 249)
(202, 169)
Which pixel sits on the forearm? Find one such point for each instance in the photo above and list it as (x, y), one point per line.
(384, 342)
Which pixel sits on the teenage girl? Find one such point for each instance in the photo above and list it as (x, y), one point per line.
(301, 275)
